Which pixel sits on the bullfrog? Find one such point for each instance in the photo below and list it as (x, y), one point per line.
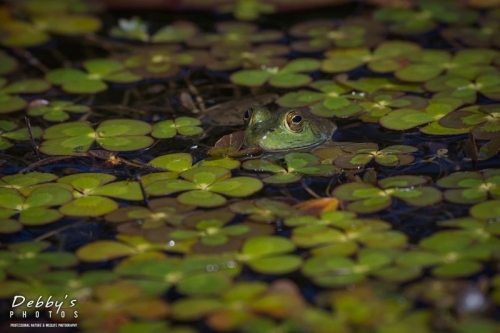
(285, 130)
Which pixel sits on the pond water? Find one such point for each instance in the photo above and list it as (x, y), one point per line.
(130, 203)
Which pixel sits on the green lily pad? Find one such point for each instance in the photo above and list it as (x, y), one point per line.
(488, 210)
(161, 62)
(19, 181)
(185, 126)
(158, 213)
(115, 135)
(373, 84)
(57, 110)
(136, 29)
(176, 162)
(268, 254)
(322, 34)
(332, 271)
(367, 198)
(384, 59)
(404, 119)
(68, 24)
(98, 70)
(204, 186)
(470, 187)
(297, 164)
(488, 84)
(290, 76)
(23, 34)
(247, 10)
(361, 154)
(404, 21)
(10, 103)
(262, 210)
(482, 120)
(8, 64)
(379, 104)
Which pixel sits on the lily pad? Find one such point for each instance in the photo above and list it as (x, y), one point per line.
(77, 137)
(247, 10)
(297, 164)
(234, 33)
(290, 76)
(204, 186)
(9, 102)
(34, 208)
(91, 191)
(8, 64)
(57, 110)
(161, 62)
(471, 187)
(366, 198)
(77, 81)
(185, 126)
(263, 210)
(360, 154)
(232, 57)
(482, 119)
(323, 34)
(269, 255)
(334, 271)
(379, 104)
(330, 100)
(136, 29)
(406, 118)
(488, 84)
(451, 253)
(386, 58)
(159, 212)
(426, 17)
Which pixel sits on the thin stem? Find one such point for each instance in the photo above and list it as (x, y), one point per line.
(49, 160)
(31, 59)
(308, 189)
(56, 231)
(32, 139)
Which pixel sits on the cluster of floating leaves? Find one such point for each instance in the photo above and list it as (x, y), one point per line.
(142, 143)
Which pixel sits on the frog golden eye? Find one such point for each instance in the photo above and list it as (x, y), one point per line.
(294, 121)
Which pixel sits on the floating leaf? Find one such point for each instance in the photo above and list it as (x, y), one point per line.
(297, 164)
(77, 137)
(268, 254)
(408, 22)
(289, 76)
(186, 126)
(57, 110)
(10, 103)
(77, 81)
(360, 154)
(324, 33)
(367, 198)
(203, 186)
(384, 59)
(471, 187)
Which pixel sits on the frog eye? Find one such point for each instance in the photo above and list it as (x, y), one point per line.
(246, 115)
(294, 121)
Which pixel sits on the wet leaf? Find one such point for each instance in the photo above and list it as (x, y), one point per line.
(77, 137)
(57, 110)
(185, 126)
